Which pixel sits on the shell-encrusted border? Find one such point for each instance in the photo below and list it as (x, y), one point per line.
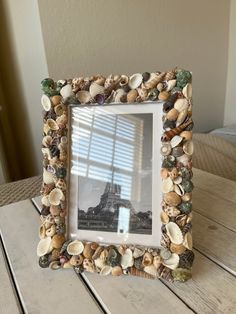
(173, 259)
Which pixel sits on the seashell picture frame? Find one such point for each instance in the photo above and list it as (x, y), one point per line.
(67, 101)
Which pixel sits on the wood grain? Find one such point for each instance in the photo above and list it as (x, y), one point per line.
(42, 290)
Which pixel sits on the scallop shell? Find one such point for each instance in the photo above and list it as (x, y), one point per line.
(188, 147)
(127, 259)
(172, 115)
(52, 125)
(179, 189)
(170, 85)
(66, 91)
(172, 262)
(186, 135)
(172, 199)
(46, 102)
(48, 177)
(181, 117)
(83, 96)
(96, 89)
(181, 104)
(151, 270)
(174, 233)
(42, 232)
(188, 91)
(138, 252)
(167, 185)
(135, 80)
(132, 95)
(45, 200)
(55, 196)
(188, 241)
(176, 140)
(165, 149)
(116, 271)
(44, 246)
(147, 259)
(106, 270)
(75, 247)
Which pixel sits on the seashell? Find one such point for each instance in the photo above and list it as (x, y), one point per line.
(160, 86)
(165, 149)
(172, 199)
(172, 115)
(186, 135)
(185, 207)
(165, 240)
(181, 274)
(186, 259)
(55, 196)
(100, 80)
(174, 233)
(169, 104)
(55, 100)
(61, 121)
(55, 265)
(146, 76)
(169, 75)
(88, 265)
(99, 263)
(188, 147)
(48, 177)
(67, 265)
(147, 259)
(97, 252)
(184, 159)
(165, 273)
(75, 247)
(83, 96)
(177, 248)
(187, 185)
(76, 260)
(47, 141)
(42, 232)
(46, 102)
(164, 173)
(57, 241)
(51, 231)
(61, 184)
(172, 262)
(177, 151)
(135, 80)
(106, 270)
(168, 162)
(113, 258)
(136, 272)
(181, 104)
(181, 220)
(45, 200)
(188, 241)
(170, 85)
(60, 109)
(172, 211)
(55, 255)
(164, 217)
(137, 252)
(176, 140)
(123, 80)
(178, 180)
(96, 89)
(52, 125)
(138, 263)
(188, 91)
(181, 117)
(165, 253)
(173, 173)
(143, 93)
(187, 197)
(151, 270)
(58, 220)
(153, 94)
(88, 251)
(153, 80)
(167, 185)
(116, 271)
(104, 255)
(187, 227)
(132, 95)
(119, 93)
(55, 210)
(157, 261)
(44, 246)
(164, 95)
(179, 189)
(168, 135)
(186, 173)
(66, 91)
(127, 259)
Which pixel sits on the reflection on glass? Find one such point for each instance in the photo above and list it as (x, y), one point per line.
(112, 157)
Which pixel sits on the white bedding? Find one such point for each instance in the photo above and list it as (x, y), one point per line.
(227, 132)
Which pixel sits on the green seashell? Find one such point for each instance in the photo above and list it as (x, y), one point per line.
(49, 88)
(169, 162)
(183, 78)
(181, 274)
(185, 207)
(153, 94)
(187, 186)
(113, 258)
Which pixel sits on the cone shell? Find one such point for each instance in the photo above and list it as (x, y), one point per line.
(172, 262)
(181, 104)
(188, 241)
(66, 91)
(46, 102)
(172, 115)
(75, 247)
(174, 233)
(55, 196)
(83, 96)
(167, 185)
(188, 91)
(136, 272)
(188, 147)
(135, 80)
(181, 116)
(127, 259)
(106, 270)
(95, 89)
(116, 271)
(172, 199)
(132, 95)
(44, 246)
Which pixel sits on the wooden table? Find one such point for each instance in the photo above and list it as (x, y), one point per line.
(24, 287)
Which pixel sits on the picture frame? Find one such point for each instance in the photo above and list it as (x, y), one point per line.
(117, 175)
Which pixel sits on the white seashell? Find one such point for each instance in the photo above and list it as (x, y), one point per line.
(83, 96)
(167, 185)
(44, 246)
(135, 80)
(51, 231)
(181, 104)
(174, 233)
(75, 247)
(95, 89)
(179, 189)
(118, 94)
(170, 85)
(99, 263)
(46, 102)
(181, 117)
(42, 231)
(172, 262)
(178, 180)
(127, 259)
(66, 91)
(184, 159)
(55, 196)
(188, 147)
(188, 241)
(176, 140)
(151, 270)
(47, 140)
(45, 200)
(188, 91)
(137, 252)
(48, 177)
(106, 270)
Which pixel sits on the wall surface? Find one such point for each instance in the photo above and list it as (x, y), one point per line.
(230, 99)
(98, 36)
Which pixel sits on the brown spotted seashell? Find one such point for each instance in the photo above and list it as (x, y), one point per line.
(147, 259)
(153, 80)
(132, 95)
(76, 260)
(172, 115)
(89, 265)
(142, 93)
(116, 271)
(168, 135)
(136, 272)
(164, 95)
(172, 199)
(177, 248)
(172, 211)
(57, 241)
(75, 247)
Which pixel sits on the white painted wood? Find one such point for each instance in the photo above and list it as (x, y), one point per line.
(42, 290)
(8, 299)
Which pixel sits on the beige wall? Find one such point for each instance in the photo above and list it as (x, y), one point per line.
(100, 36)
(230, 99)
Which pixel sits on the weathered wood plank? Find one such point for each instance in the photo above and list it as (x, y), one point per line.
(42, 290)
(216, 241)
(8, 300)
